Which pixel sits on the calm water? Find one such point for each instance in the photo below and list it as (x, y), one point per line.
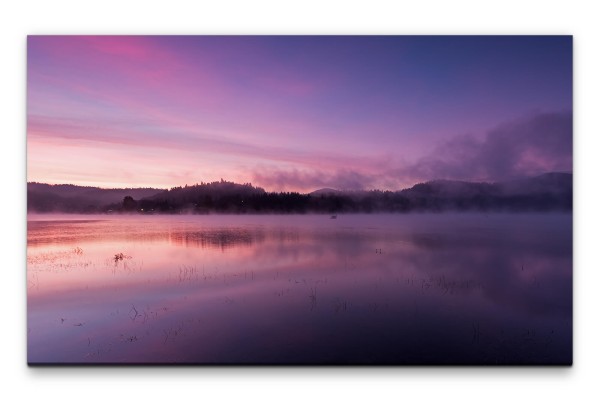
(383, 289)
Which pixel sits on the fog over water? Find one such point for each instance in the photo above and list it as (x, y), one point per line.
(300, 289)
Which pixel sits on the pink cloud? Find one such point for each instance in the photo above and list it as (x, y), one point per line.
(136, 47)
(242, 112)
(124, 68)
(531, 145)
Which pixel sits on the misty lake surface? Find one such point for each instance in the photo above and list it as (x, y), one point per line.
(302, 289)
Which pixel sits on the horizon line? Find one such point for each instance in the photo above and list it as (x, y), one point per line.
(314, 190)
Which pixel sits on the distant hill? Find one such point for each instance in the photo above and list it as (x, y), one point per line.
(73, 198)
(545, 184)
(219, 195)
(325, 191)
(551, 191)
(546, 192)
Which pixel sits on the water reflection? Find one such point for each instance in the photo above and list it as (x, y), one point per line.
(418, 289)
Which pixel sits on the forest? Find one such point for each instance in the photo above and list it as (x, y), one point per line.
(546, 192)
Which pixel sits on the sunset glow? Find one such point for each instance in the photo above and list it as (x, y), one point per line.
(296, 113)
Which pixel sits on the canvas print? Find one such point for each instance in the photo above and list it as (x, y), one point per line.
(299, 200)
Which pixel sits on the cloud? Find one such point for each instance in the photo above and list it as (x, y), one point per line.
(529, 146)
(537, 144)
(300, 180)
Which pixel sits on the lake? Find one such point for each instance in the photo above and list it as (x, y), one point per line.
(300, 289)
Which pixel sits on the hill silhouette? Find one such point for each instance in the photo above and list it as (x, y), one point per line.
(546, 192)
(551, 191)
(202, 198)
(78, 199)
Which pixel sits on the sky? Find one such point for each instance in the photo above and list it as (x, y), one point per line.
(296, 113)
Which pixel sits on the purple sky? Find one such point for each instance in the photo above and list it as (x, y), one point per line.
(297, 113)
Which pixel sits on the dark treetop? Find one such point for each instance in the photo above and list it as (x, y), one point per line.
(547, 192)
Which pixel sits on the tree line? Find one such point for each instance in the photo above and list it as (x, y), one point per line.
(547, 192)
(542, 194)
